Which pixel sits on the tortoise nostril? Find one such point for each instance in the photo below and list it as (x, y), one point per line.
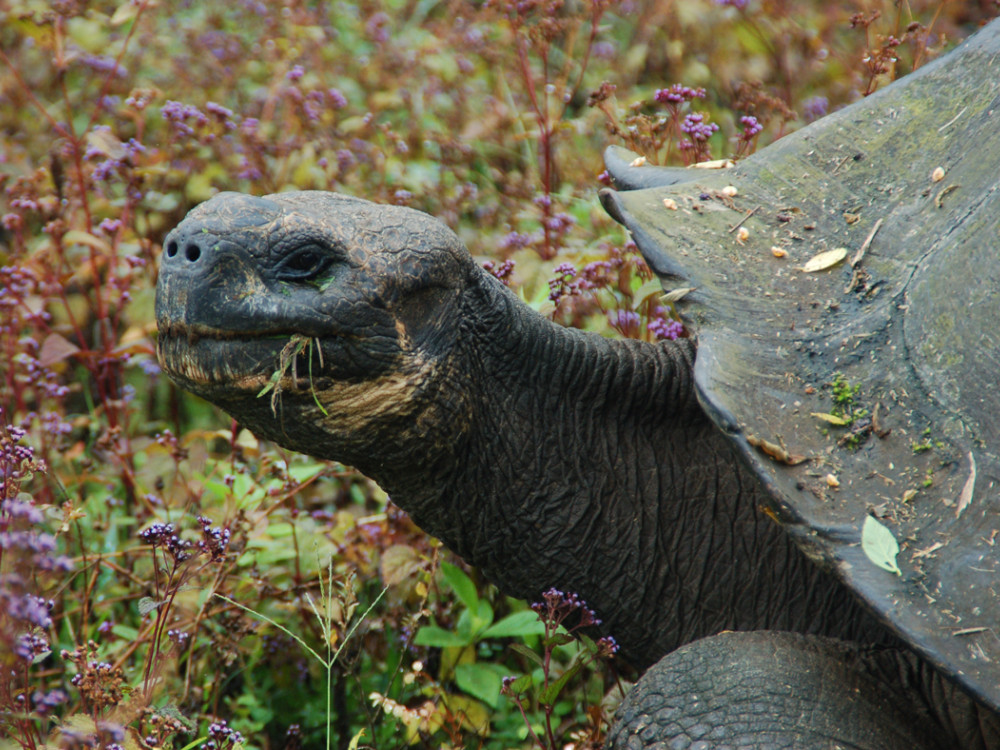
(171, 249)
(192, 252)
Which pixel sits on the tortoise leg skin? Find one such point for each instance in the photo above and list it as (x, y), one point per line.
(756, 690)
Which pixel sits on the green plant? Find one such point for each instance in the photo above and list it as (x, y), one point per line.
(475, 625)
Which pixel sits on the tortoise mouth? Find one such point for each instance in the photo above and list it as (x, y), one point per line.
(205, 361)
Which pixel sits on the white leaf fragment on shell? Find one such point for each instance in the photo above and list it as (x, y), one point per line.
(832, 481)
(670, 203)
(879, 544)
(937, 175)
(638, 161)
(778, 252)
(831, 418)
(825, 260)
(965, 497)
(675, 295)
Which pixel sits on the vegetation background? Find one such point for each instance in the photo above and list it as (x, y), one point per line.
(167, 580)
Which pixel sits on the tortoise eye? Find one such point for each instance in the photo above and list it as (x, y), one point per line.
(302, 264)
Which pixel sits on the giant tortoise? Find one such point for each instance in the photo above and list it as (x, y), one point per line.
(790, 521)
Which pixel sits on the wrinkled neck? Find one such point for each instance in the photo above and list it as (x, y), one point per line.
(585, 464)
(552, 413)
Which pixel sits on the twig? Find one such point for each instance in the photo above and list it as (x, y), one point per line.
(840, 164)
(866, 244)
(738, 224)
(952, 120)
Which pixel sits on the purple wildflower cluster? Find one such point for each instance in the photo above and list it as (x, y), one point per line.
(677, 94)
(165, 536)
(38, 547)
(568, 282)
(113, 158)
(815, 108)
(626, 322)
(30, 610)
(44, 702)
(503, 271)
(698, 129)
(17, 463)
(221, 735)
(214, 540)
(557, 606)
(183, 118)
(750, 127)
(665, 328)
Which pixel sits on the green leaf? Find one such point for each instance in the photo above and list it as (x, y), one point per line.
(588, 644)
(525, 651)
(147, 605)
(356, 739)
(880, 545)
(521, 623)
(550, 693)
(126, 632)
(482, 617)
(521, 685)
(432, 635)
(646, 290)
(480, 681)
(461, 584)
(559, 639)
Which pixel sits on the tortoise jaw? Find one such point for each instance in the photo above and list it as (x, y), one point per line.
(209, 362)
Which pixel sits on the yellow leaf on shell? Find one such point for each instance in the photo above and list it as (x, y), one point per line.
(825, 260)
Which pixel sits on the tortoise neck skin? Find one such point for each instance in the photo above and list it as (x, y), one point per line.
(546, 456)
(588, 465)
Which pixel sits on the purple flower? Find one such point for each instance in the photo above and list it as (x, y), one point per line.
(295, 73)
(337, 99)
(502, 272)
(20, 509)
(30, 646)
(218, 110)
(607, 646)
(165, 535)
(626, 321)
(179, 115)
(221, 735)
(678, 94)
(44, 703)
(110, 226)
(516, 240)
(26, 607)
(345, 159)
(104, 64)
(751, 127)
(666, 328)
(815, 108)
(214, 539)
(697, 127)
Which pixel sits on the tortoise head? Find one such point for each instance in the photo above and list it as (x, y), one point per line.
(315, 319)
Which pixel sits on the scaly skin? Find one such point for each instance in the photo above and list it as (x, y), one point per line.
(545, 456)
